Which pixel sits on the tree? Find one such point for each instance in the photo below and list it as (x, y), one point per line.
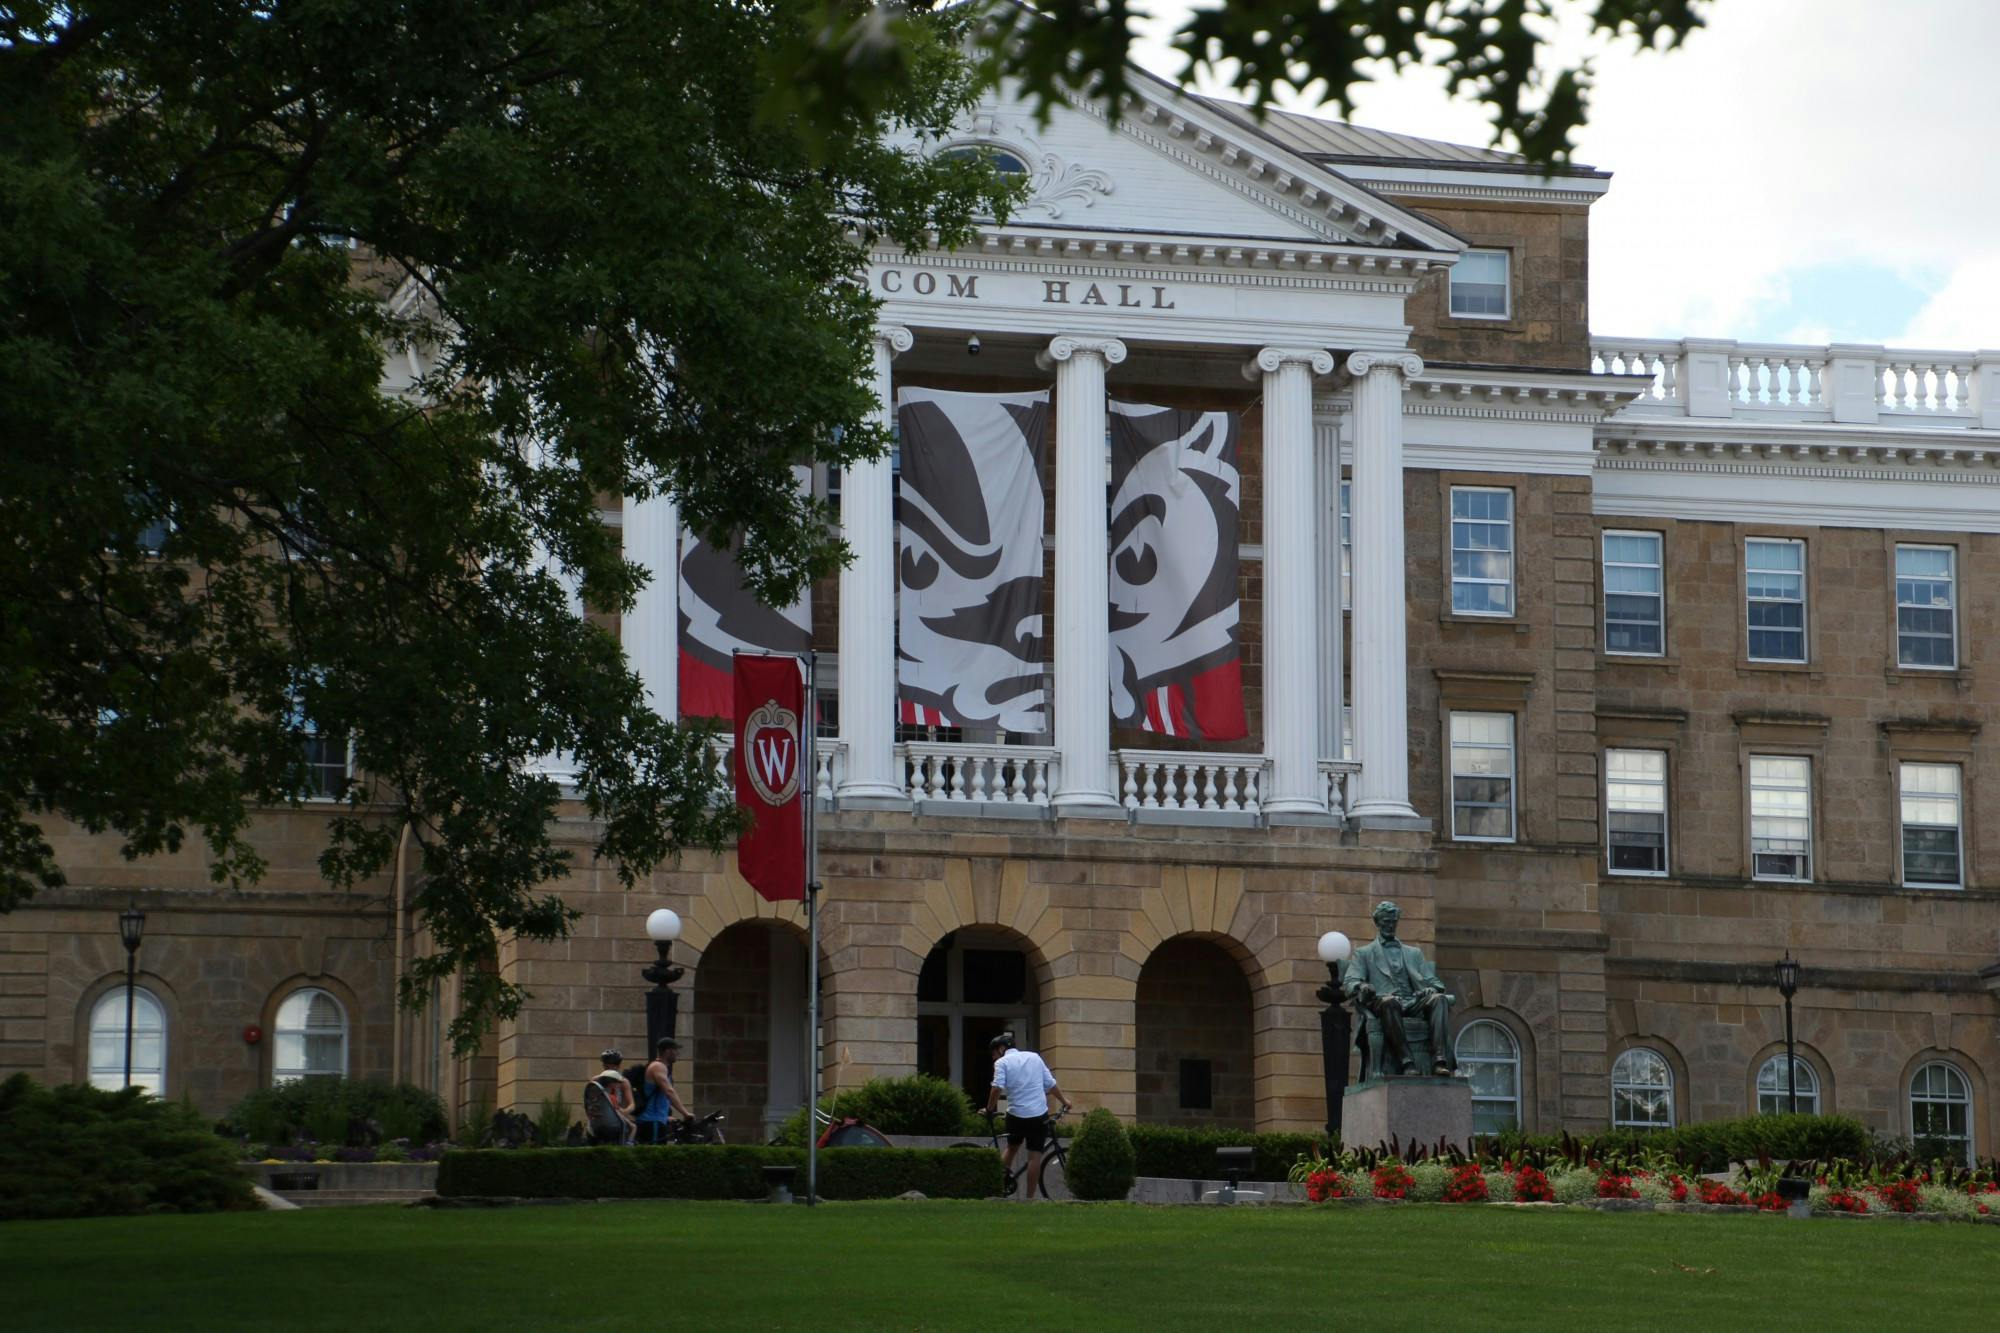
(216, 220)
(1489, 49)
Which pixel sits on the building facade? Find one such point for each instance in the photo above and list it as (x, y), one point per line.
(1625, 667)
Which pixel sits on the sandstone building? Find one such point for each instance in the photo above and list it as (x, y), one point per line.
(1625, 667)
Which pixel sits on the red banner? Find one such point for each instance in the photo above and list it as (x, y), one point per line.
(770, 774)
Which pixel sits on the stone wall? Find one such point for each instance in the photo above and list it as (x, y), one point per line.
(1194, 1004)
(732, 1027)
(1549, 322)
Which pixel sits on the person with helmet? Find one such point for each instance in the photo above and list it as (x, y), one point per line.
(1024, 1079)
(615, 1095)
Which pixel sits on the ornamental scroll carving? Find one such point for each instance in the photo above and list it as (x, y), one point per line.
(1055, 184)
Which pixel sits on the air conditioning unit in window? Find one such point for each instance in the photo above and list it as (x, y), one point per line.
(1779, 865)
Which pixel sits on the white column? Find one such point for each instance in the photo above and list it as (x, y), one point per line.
(1381, 668)
(1326, 565)
(1083, 595)
(651, 629)
(868, 606)
(1291, 583)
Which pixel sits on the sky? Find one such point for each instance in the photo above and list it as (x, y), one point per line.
(1802, 171)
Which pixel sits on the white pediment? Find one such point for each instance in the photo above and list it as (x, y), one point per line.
(1171, 165)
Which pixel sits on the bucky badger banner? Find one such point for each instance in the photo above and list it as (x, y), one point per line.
(720, 618)
(1176, 664)
(969, 619)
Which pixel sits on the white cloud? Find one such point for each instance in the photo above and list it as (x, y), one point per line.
(1787, 135)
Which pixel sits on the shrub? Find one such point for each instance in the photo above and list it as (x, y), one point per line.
(1499, 1186)
(1614, 1186)
(1708, 1145)
(552, 1120)
(82, 1152)
(1467, 1184)
(1189, 1154)
(1428, 1181)
(919, 1104)
(1574, 1186)
(1101, 1162)
(722, 1171)
(1325, 1183)
(1531, 1186)
(337, 1111)
(1391, 1180)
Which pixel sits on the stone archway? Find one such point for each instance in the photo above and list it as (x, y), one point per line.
(1196, 1043)
(748, 1028)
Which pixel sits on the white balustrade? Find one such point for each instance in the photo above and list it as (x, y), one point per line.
(1336, 774)
(829, 768)
(1016, 775)
(1791, 382)
(1184, 780)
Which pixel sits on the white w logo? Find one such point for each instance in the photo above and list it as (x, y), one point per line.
(773, 756)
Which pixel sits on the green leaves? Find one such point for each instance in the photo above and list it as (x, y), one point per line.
(565, 227)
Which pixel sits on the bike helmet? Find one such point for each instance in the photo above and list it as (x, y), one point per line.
(611, 1057)
(1000, 1039)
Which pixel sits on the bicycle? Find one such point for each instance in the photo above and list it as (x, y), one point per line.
(1054, 1157)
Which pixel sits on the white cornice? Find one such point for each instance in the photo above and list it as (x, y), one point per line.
(1447, 183)
(1929, 448)
(1271, 267)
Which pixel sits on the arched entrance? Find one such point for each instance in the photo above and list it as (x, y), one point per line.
(976, 982)
(1196, 1051)
(749, 1028)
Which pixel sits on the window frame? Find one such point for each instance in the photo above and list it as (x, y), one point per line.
(1659, 567)
(1512, 581)
(1903, 824)
(1512, 1062)
(1968, 1101)
(1665, 811)
(1812, 823)
(112, 1003)
(1807, 1074)
(1452, 774)
(283, 1074)
(1506, 285)
(1346, 520)
(1804, 600)
(1629, 1086)
(1896, 597)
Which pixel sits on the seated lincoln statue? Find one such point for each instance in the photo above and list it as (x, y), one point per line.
(1395, 991)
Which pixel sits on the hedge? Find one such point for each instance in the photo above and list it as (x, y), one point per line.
(78, 1151)
(339, 1112)
(725, 1171)
(1189, 1154)
(918, 1104)
(1713, 1144)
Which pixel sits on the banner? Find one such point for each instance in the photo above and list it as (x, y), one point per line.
(969, 614)
(721, 618)
(770, 773)
(1176, 499)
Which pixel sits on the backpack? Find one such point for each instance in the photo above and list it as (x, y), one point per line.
(635, 1076)
(602, 1115)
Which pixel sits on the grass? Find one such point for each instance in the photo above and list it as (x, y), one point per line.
(894, 1265)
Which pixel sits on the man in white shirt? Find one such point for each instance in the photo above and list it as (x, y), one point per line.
(1025, 1081)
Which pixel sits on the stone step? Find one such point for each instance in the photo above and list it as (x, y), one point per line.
(348, 1198)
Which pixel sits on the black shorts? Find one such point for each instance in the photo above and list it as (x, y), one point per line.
(1033, 1128)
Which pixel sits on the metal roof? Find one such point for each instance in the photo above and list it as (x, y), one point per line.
(1337, 141)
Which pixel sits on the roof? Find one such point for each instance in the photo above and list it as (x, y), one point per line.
(1335, 141)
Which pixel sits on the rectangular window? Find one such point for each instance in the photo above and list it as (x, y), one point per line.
(1634, 594)
(1482, 551)
(1926, 629)
(1346, 545)
(1780, 817)
(1479, 285)
(1931, 804)
(1482, 777)
(1635, 799)
(1775, 584)
(327, 766)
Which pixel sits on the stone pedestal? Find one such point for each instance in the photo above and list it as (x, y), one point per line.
(1414, 1108)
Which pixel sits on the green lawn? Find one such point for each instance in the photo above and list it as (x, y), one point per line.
(655, 1267)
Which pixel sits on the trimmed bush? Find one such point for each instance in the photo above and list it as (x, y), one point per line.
(1712, 1145)
(723, 1171)
(1101, 1162)
(336, 1112)
(81, 1152)
(919, 1104)
(1189, 1154)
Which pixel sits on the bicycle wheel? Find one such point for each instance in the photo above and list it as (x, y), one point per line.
(1053, 1169)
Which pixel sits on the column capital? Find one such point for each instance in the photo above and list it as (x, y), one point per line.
(1409, 364)
(1068, 345)
(1317, 360)
(894, 338)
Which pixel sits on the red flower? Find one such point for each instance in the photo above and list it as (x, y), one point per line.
(1714, 1191)
(1846, 1201)
(1467, 1185)
(1392, 1181)
(1679, 1187)
(1899, 1196)
(1984, 1210)
(1327, 1184)
(1771, 1201)
(1616, 1187)
(1531, 1186)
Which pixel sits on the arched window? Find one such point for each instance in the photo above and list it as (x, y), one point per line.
(1006, 162)
(1489, 1056)
(1941, 1112)
(311, 1035)
(1642, 1091)
(149, 1040)
(1774, 1096)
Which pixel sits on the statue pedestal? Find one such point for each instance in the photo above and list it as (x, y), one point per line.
(1414, 1108)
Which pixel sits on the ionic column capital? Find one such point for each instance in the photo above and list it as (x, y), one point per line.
(893, 338)
(1069, 345)
(1268, 361)
(1408, 363)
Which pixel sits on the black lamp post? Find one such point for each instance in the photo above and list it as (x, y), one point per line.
(663, 927)
(131, 929)
(1788, 986)
(1336, 1032)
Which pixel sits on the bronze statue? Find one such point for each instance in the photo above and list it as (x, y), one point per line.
(1389, 983)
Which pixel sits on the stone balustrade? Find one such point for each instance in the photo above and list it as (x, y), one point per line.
(1337, 773)
(1191, 781)
(1839, 382)
(1007, 775)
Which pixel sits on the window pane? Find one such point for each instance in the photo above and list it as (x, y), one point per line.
(1482, 546)
(1479, 283)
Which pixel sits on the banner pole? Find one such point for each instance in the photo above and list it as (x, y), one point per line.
(811, 795)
